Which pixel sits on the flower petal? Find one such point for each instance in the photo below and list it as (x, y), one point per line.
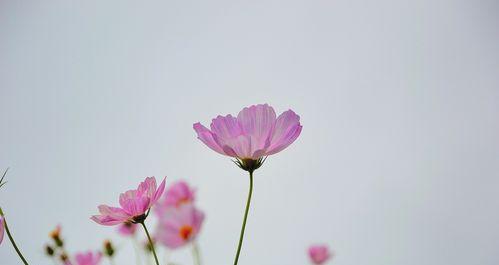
(240, 145)
(158, 192)
(147, 187)
(286, 130)
(207, 137)
(257, 121)
(137, 206)
(225, 127)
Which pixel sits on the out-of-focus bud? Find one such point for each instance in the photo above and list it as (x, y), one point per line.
(64, 258)
(49, 250)
(56, 236)
(108, 248)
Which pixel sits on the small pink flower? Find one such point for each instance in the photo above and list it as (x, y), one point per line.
(179, 226)
(2, 229)
(176, 195)
(88, 258)
(319, 254)
(134, 204)
(127, 229)
(255, 133)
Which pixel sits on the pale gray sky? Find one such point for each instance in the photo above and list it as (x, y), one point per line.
(398, 161)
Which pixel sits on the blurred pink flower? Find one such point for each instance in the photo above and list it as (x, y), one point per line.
(134, 204)
(127, 229)
(176, 195)
(319, 254)
(179, 226)
(2, 229)
(88, 258)
(255, 133)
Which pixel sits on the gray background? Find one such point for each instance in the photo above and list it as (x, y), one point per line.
(398, 161)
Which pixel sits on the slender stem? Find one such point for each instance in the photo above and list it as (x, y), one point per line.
(150, 242)
(195, 253)
(248, 202)
(13, 242)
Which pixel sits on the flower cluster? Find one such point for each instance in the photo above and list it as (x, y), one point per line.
(249, 138)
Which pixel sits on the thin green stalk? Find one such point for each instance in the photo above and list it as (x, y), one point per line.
(13, 242)
(150, 242)
(195, 253)
(248, 202)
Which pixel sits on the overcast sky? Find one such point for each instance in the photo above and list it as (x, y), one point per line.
(398, 161)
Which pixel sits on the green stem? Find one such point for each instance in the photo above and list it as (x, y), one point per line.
(195, 253)
(13, 242)
(248, 202)
(150, 242)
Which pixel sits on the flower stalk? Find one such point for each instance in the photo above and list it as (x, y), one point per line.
(195, 253)
(12, 239)
(150, 242)
(243, 228)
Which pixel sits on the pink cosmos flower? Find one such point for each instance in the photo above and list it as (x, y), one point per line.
(179, 226)
(2, 229)
(176, 195)
(88, 258)
(319, 254)
(255, 132)
(135, 204)
(127, 229)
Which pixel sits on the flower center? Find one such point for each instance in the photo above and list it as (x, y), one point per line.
(185, 232)
(183, 201)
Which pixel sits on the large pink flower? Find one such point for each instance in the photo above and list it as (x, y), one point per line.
(134, 204)
(2, 229)
(176, 195)
(179, 225)
(319, 254)
(88, 258)
(255, 133)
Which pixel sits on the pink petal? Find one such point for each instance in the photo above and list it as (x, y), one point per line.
(113, 212)
(170, 237)
(110, 216)
(126, 196)
(105, 220)
(147, 187)
(319, 254)
(240, 146)
(178, 193)
(207, 138)
(171, 223)
(198, 219)
(138, 206)
(286, 131)
(258, 122)
(127, 229)
(225, 127)
(158, 192)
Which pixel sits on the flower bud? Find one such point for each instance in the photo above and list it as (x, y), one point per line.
(108, 248)
(56, 236)
(64, 258)
(49, 250)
